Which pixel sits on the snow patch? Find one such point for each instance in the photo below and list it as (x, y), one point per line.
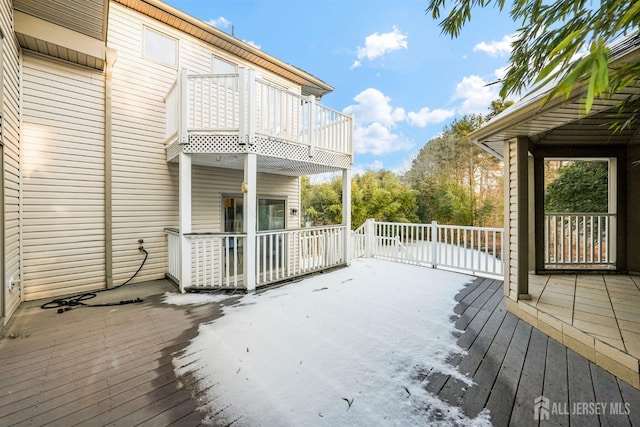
(348, 347)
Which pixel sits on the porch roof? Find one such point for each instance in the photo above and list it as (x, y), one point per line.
(563, 120)
(266, 164)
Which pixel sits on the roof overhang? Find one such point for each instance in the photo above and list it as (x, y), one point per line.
(560, 119)
(169, 15)
(74, 30)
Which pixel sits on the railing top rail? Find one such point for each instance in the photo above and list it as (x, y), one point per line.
(291, 230)
(281, 89)
(209, 76)
(470, 227)
(461, 227)
(579, 214)
(213, 234)
(347, 116)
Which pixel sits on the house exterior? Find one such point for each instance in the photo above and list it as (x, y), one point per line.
(130, 125)
(543, 244)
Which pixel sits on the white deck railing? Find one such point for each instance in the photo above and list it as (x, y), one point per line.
(477, 250)
(585, 239)
(285, 254)
(250, 107)
(218, 258)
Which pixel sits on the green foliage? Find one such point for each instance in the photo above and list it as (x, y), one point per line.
(550, 38)
(456, 181)
(581, 186)
(379, 195)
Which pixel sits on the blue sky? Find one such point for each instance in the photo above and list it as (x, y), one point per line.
(387, 60)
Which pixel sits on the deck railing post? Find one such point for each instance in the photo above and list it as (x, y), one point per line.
(312, 123)
(183, 106)
(252, 105)
(243, 131)
(434, 244)
(369, 237)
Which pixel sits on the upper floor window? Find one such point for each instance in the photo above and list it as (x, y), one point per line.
(160, 47)
(222, 66)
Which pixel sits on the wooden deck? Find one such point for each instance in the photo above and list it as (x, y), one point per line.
(113, 365)
(512, 364)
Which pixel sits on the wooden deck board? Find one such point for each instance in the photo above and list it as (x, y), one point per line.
(104, 366)
(502, 396)
(580, 386)
(531, 379)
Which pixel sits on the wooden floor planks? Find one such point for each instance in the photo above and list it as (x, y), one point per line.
(113, 366)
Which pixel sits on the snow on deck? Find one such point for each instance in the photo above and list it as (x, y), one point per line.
(342, 348)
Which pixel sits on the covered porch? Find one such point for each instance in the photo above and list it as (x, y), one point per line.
(574, 275)
(265, 137)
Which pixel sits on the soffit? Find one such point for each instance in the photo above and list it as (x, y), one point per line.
(88, 17)
(162, 12)
(562, 120)
(71, 30)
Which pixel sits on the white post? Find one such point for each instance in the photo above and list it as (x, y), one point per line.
(250, 218)
(312, 115)
(434, 244)
(185, 220)
(243, 131)
(612, 209)
(252, 107)
(369, 237)
(183, 106)
(346, 213)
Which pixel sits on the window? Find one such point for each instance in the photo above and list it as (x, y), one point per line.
(222, 66)
(160, 47)
(271, 214)
(233, 211)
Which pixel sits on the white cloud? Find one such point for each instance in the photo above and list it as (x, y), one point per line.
(377, 45)
(376, 119)
(373, 106)
(475, 94)
(252, 43)
(378, 139)
(496, 48)
(220, 22)
(426, 117)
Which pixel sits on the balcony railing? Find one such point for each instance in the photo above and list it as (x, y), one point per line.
(218, 259)
(477, 250)
(254, 109)
(579, 239)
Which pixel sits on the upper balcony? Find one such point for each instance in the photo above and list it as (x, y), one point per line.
(216, 117)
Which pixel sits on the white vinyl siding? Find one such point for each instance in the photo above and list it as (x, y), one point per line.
(511, 219)
(63, 178)
(145, 186)
(11, 140)
(210, 184)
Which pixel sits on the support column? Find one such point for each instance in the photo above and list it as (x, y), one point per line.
(110, 59)
(346, 213)
(522, 213)
(185, 220)
(249, 188)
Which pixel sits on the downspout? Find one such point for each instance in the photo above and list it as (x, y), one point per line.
(110, 59)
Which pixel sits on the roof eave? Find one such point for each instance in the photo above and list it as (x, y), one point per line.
(311, 85)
